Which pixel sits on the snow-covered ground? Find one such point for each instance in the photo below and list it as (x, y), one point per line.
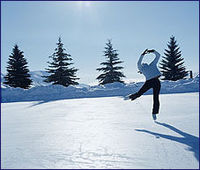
(101, 133)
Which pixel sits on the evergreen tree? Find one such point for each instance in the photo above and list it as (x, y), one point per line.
(17, 70)
(172, 63)
(111, 72)
(59, 70)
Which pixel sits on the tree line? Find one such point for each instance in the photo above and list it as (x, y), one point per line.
(62, 72)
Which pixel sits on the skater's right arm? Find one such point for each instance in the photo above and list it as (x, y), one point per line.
(155, 61)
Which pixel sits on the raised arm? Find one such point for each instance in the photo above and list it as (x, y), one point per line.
(139, 63)
(155, 61)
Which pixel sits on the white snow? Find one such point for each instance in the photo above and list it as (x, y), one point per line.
(101, 133)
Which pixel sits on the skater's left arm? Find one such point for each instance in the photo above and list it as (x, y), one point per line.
(139, 63)
(155, 61)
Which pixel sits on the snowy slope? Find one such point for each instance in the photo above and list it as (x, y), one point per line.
(57, 92)
(47, 92)
(101, 133)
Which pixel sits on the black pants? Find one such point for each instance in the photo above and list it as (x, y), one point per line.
(155, 84)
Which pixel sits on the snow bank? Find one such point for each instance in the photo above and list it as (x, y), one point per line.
(56, 92)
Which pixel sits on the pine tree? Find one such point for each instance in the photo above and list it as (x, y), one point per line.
(111, 72)
(172, 63)
(17, 70)
(59, 70)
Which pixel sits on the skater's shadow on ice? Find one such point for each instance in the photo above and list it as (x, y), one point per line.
(191, 141)
(41, 102)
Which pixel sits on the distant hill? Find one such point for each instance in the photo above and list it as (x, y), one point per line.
(36, 76)
(37, 79)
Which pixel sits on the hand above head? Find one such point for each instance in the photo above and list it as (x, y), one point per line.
(150, 51)
(145, 52)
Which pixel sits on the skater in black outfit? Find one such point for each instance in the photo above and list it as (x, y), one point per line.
(152, 74)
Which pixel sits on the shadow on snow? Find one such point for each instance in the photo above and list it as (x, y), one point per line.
(191, 141)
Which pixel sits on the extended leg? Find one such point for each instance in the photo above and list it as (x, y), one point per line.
(147, 85)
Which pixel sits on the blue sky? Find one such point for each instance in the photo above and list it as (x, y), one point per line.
(86, 26)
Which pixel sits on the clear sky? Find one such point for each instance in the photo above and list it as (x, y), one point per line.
(86, 26)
